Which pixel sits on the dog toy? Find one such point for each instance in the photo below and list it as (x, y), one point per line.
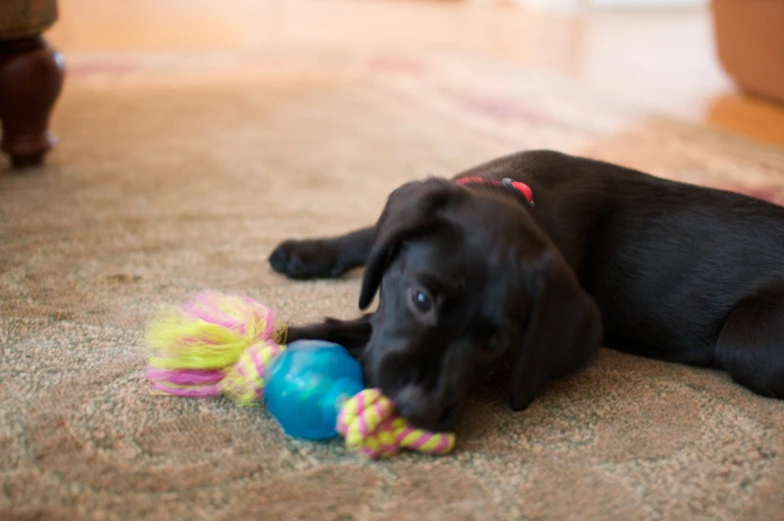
(227, 345)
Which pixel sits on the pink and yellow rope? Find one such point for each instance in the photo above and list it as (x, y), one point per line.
(369, 424)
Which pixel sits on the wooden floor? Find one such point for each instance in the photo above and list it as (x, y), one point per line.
(663, 59)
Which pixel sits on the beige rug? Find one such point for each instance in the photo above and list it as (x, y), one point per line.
(176, 174)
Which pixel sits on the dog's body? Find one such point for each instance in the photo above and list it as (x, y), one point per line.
(472, 274)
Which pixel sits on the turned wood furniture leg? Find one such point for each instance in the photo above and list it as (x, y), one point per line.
(31, 77)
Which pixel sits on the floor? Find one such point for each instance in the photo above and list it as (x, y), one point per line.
(663, 59)
(196, 135)
(174, 178)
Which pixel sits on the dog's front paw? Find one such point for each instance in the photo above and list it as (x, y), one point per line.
(307, 259)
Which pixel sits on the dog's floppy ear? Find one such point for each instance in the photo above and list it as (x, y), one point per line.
(563, 331)
(411, 210)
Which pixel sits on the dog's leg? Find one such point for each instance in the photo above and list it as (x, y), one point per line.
(328, 257)
(751, 344)
(351, 334)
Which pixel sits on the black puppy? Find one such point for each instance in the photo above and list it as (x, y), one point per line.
(578, 253)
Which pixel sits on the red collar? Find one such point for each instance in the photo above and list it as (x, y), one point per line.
(517, 185)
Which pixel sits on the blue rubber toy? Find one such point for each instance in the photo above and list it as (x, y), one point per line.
(307, 385)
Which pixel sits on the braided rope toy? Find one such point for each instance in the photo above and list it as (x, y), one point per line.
(226, 345)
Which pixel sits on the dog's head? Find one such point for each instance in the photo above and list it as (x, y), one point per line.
(465, 279)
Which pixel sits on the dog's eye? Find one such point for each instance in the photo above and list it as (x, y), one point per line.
(421, 301)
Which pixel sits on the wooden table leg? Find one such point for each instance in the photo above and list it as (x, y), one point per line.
(31, 77)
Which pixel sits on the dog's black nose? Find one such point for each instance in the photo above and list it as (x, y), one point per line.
(414, 415)
(423, 410)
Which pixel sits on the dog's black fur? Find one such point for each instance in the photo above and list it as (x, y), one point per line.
(472, 275)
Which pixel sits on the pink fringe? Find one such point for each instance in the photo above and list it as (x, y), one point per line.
(185, 376)
(208, 391)
(193, 383)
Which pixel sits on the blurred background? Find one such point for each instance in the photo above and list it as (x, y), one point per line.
(663, 53)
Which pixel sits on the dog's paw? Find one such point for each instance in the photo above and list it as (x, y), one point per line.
(307, 259)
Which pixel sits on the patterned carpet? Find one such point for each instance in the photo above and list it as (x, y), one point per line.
(176, 174)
